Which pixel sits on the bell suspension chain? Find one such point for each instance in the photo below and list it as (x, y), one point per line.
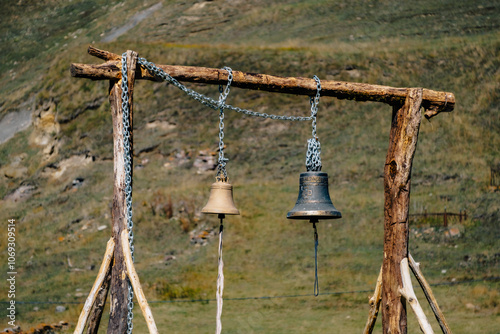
(207, 101)
(221, 174)
(313, 164)
(128, 182)
(313, 156)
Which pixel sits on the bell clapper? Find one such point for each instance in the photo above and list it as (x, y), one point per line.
(316, 282)
(220, 277)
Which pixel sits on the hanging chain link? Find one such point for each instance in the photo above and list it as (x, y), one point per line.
(221, 174)
(127, 153)
(209, 102)
(313, 156)
(314, 101)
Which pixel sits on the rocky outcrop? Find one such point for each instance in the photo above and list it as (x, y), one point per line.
(205, 161)
(45, 129)
(23, 192)
(57, 170)
(15, 169)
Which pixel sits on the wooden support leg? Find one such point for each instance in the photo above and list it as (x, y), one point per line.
(407, 292)
(108, 256)
(397, 174)
(119, 286)
(374, 305)
(429, 295)
(99, 304)
(136, 284)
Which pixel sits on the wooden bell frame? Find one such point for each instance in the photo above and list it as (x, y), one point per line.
(394, 282)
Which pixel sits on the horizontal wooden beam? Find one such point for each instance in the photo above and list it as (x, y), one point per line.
(433, 101)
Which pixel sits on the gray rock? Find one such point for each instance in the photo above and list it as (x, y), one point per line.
(60, 308)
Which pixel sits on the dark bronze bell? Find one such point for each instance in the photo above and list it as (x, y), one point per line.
(221, 200)
(314, 201)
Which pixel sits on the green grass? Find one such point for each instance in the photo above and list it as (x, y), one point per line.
(440, 45)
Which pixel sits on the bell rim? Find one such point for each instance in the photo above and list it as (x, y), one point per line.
(221, 212)
(309, 216)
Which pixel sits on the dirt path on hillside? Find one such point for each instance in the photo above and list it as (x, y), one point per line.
(134, 20)
(14, 122)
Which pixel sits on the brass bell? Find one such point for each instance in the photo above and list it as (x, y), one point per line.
(221, 199)
(314, 201)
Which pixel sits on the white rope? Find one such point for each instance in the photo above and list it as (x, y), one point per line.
(220, 283)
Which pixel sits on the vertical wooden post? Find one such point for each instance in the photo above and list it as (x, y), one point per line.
(397, 174)
(119, 284)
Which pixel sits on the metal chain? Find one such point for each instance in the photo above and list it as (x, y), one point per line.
(221, 174)
(207, 101)
(314, 101)
(313, 156)
(128, 182)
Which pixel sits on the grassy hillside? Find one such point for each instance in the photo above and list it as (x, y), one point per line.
(64, 160)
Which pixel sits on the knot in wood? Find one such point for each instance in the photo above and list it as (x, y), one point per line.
(393, 168)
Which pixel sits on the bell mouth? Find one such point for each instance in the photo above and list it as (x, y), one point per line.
(313, 215)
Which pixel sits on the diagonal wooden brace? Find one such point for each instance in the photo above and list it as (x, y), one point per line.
(374, 305)
(108, 256)
(415, 268)
(407, 292)
(136, 284)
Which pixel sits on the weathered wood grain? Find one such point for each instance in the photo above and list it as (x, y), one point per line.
(433, 101)
(102, 54)
(397, 176)
(119, 285)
